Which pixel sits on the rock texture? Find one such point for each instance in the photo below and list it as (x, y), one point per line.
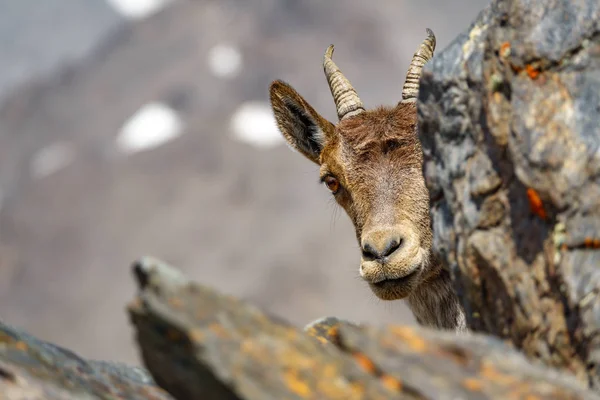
(510, 125)
(200, 344)
(31, 369)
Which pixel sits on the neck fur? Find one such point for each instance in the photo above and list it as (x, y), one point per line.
(435, 304)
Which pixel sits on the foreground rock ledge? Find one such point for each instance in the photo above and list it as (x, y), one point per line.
(509, 118)
(199, 344)
(31, 369)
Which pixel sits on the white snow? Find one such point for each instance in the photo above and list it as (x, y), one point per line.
(151, 126)
(225, 61)
(138, 9)
(253, 123)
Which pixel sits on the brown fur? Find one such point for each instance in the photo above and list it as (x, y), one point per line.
(377, 159)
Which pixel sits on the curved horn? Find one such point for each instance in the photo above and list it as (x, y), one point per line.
(410, 91)
(345, 97)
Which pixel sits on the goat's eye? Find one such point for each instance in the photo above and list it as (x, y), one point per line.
(332, 184)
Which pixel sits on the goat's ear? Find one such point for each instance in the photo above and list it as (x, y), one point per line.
(302, 127)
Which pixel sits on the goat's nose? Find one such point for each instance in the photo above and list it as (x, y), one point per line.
(379, 249)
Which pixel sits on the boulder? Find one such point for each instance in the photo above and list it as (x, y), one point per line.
(510, 125)
(198, 343)
(32, 369)
(201, 344)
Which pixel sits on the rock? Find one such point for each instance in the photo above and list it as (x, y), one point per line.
(326, 329)
(510, 124)
(200, 344)
(31, 369)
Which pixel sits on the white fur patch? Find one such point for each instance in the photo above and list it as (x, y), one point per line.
(318, 135)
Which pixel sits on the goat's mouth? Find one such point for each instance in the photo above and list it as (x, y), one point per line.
(395, 282)
(396, 288)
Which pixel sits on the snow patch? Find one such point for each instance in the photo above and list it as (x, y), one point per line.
(225, 61)
(138, 9)
(254, 123)
(151, 126)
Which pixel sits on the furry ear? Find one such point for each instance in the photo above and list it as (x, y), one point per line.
(302, 127)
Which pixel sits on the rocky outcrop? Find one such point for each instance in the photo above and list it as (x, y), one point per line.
(31, 369)
(200, 344)
(510, 124)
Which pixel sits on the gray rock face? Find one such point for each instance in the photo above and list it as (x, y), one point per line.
(201, 344)
(36, 370)
(509, 120)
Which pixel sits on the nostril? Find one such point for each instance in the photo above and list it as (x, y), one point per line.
(369, 252)
(391, 247)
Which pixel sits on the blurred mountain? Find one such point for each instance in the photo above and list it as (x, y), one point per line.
(81, 195)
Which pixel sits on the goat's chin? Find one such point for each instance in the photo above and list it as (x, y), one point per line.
(396, 289)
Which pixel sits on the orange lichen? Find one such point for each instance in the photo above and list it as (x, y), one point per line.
(391, 383)
(218, 330)
(532, 71)
(329, 371)
(408, 336)
(490, 373)
(532, 397)
(587, 243)
(591, 243)
(312, 331)
(296, 385)
(357, 387)
(250, 348)
(333, 331)
(21, 346)
(521, 391)
(505, 50)
(365, 362)
(328, 389)
(535, 203)
(456, 354)
(293, 357)
(324, 332)
(473, 384)
(322, 339)
(498, 97)
(564, 247)
(196, 335)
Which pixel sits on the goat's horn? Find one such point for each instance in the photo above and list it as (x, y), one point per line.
(345, 97)
(410, 91)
